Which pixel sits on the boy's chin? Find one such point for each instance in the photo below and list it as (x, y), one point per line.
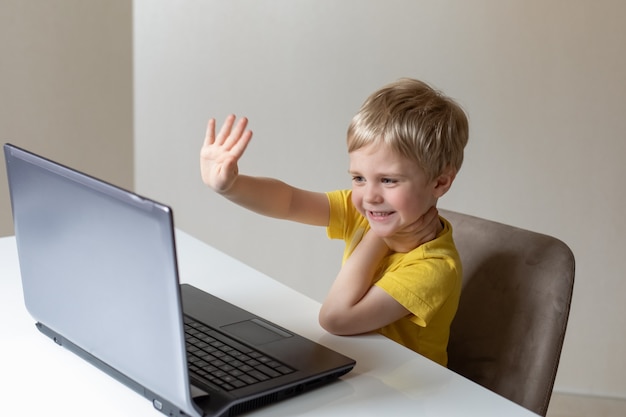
(382, 233)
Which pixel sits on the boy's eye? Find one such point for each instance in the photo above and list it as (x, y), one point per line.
(388, 181)
(357, 178)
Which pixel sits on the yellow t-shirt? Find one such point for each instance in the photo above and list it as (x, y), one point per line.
(426, 280)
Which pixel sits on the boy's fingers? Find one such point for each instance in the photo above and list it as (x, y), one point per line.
(240, 146)
(236, 133)
(230, 138)
(209, 138)
(225, 130)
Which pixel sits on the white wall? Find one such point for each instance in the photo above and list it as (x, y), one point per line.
(66, 86)
(543, 82)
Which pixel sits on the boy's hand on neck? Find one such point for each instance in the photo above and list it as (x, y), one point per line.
(423, 230)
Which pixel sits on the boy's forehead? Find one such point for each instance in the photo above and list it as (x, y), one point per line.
(380, 158)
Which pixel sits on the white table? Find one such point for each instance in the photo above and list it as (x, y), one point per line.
(40, 378)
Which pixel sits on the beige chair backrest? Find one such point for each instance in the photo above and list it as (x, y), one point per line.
(509, 329)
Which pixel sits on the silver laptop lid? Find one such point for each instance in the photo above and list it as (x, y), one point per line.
(98, 267)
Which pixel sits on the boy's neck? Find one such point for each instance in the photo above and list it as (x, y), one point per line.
(399, 245)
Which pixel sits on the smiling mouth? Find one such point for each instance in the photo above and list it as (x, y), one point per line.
(379, 214)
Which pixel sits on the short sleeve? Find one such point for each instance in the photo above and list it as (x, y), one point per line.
(337, 201)
(422, 287)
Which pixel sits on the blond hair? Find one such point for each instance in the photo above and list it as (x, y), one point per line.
(416, 121)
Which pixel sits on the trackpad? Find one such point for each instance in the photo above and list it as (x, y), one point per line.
(255, 331)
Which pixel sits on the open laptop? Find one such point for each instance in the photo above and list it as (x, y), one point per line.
(99, 275)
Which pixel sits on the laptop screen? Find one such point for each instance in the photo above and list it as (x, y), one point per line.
(98, 267)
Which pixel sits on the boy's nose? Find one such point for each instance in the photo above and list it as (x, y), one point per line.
(372, 194)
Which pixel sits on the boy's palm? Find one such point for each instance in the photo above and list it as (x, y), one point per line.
(220, 154)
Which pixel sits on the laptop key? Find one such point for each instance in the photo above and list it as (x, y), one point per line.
(268, 371)
(258, 375)
(248, 379)
(284, 369)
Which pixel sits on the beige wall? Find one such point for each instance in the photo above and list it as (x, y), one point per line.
(544, 83)
(66, 86)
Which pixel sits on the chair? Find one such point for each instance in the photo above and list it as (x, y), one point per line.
(509, 329)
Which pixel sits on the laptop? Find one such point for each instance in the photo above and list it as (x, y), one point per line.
(99, 276)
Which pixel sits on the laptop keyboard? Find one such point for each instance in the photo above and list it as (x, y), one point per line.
(215, 359)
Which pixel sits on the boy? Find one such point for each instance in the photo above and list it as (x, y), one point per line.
(401, 273)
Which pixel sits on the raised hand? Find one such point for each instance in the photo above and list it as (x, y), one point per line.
(219, 154)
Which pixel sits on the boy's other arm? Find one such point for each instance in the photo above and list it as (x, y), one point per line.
(353, 304)
(219, 168)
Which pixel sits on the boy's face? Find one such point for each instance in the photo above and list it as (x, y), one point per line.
(392, 192)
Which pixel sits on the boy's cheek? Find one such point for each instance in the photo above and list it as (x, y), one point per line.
(359, 208)
(356, 202)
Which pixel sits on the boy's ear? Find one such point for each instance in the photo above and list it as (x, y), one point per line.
(444, 181)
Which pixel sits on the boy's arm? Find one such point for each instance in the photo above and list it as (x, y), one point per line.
(274, 198)
(218, 163)
(353, 304)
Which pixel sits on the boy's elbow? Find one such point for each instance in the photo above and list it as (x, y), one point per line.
(334, 322)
